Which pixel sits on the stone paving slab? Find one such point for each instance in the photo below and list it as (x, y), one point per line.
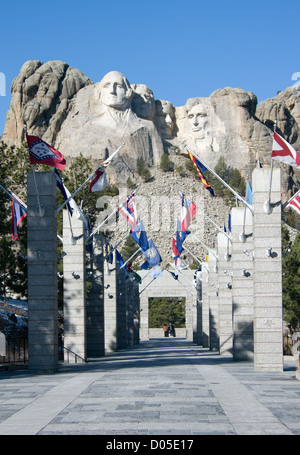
(159, 387)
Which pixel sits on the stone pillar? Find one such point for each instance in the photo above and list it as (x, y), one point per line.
(95, 301)
(144, 316)
(42, 275)
(74, 290)
(205, 305)
(199, 328)
(129, 312)
(213, 294)
(136, 314)
(242, 284)
(110, 306)
(121, 307)
(268, 324)
(225, 295)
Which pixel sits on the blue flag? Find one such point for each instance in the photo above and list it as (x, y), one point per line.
(18, 214)
(139, 235)
(249, 193)
(152, 255)
(229, 222)
(119, 258)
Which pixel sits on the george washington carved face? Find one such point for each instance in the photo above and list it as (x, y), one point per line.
(115, 91)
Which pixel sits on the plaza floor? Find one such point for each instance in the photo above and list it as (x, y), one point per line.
(159, 387)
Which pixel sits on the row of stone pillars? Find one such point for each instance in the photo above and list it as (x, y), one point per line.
(241, 299)
(101, 306)
(241, 293)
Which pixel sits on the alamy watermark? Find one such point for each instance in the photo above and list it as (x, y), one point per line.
(2, 85)
(296, 77)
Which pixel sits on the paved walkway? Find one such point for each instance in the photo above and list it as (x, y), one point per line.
(159, 387)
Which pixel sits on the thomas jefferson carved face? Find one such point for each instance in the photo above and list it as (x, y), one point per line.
(115, 90)
(165, 118)
(198, 119)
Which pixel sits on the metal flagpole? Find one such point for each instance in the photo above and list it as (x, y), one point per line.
(286, 203)
(218, 177)
(134, 254)
(106, 163)
(267, 205)
(219, 229)
(41, 207)
(175, 268)
(208, 249)
(147, 285)
(10, 195)
(103, 222)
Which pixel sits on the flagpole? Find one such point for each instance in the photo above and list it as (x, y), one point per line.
(106, 163)
(286, 203)
(134, 254)
(13, 199)
(183, 276)
(208, 249)
(147, 285)
(218, 177)
(103, 222)
(242, 235)
(267, 205)
(219, 229)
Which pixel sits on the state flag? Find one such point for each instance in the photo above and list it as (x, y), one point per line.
(139, 235)
(282, 151)
(129, 212)
(295, 203)
(99, 181)
(201, 170)
(188, 210)
(152, 255)
(42, 153)
(18, 214)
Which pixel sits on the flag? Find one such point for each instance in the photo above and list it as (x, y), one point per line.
(295, 203)
(156, 271)
(249, 193)
(119, 258)
(284, 152)
(229, 222)
(128, 210)
(188, 210)
(99, 181)
(139, 235)
(62, 188)
(152, 255)
(18, 214)
(201, 169)
(108, 251)
(175, 251)
(173, 275)
(145, 265)
(78, 213)
(42, 153)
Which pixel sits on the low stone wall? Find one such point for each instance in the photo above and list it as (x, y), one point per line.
(159, 333)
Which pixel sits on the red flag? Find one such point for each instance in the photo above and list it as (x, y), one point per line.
(284, 152)
(42, 153)
(295, 203)
(188, 210)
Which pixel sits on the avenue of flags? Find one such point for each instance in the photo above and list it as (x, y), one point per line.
(42, 153)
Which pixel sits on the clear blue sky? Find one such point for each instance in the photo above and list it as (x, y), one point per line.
(179, 48)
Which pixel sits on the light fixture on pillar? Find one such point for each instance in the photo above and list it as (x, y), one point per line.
(110, 296)
(243, 272)
(229, 286)
(227, 257)
(269, 252)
